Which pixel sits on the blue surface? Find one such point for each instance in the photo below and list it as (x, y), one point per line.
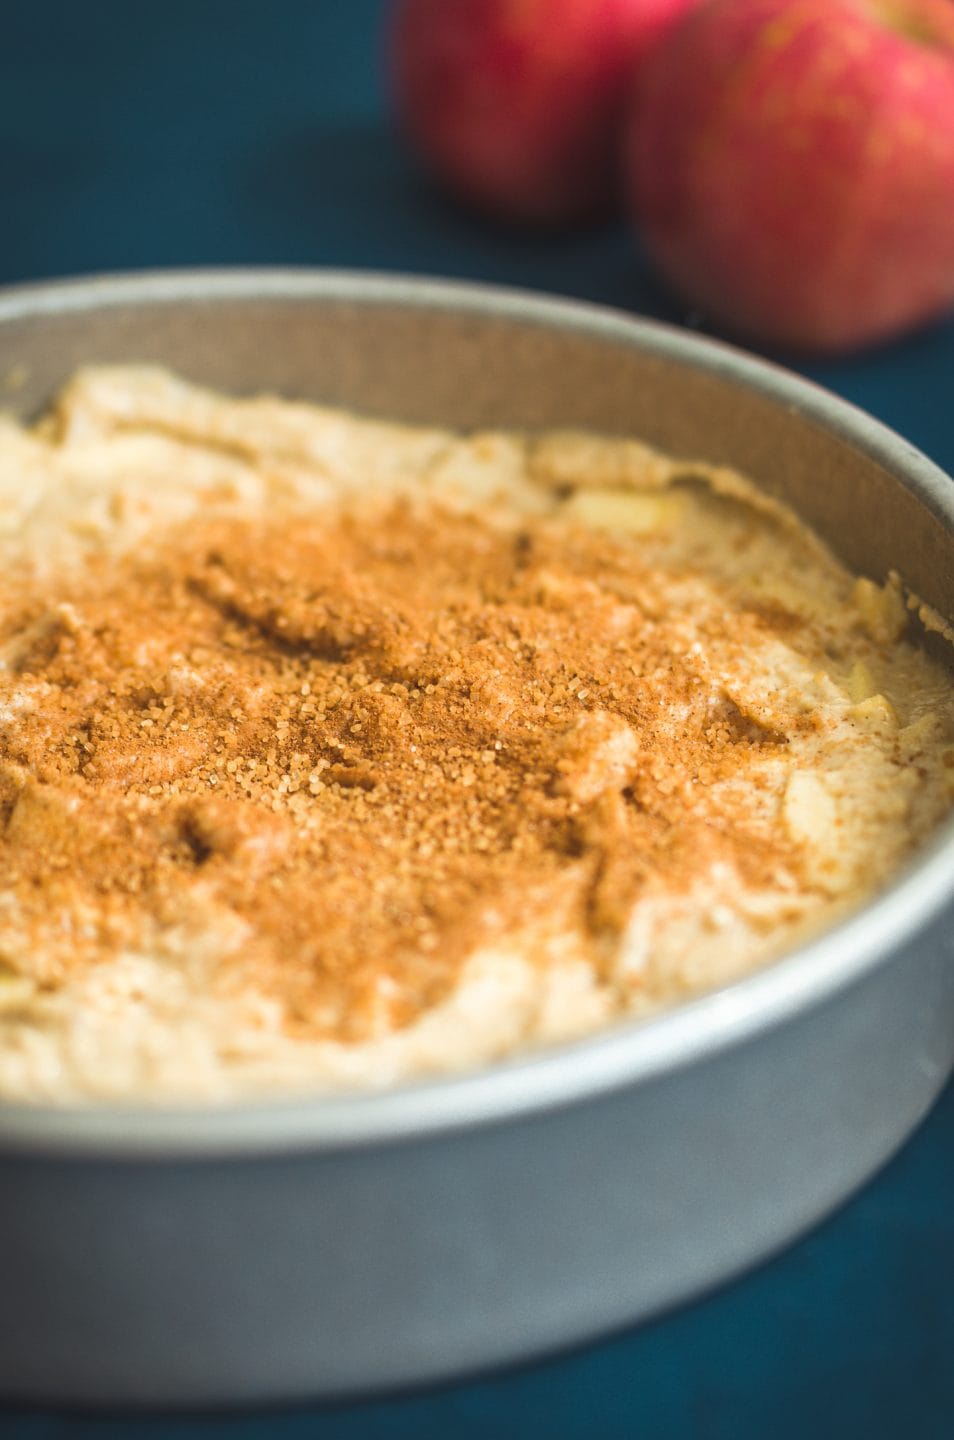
(219, 132)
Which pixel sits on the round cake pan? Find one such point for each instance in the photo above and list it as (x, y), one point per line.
(333, 1246)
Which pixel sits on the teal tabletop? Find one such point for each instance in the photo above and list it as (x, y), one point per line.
(221, 132)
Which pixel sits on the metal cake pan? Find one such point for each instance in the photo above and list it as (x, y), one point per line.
(328, 1247)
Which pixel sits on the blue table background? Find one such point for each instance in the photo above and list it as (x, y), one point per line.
(222, 132)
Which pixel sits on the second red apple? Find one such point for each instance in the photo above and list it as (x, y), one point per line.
(792, 166)
(516, 104)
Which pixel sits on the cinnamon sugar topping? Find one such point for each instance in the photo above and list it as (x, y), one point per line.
(380, 740)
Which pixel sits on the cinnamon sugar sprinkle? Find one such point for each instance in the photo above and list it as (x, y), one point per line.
(381, 743)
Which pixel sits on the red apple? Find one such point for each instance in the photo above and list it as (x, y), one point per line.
(516, 104)
(791, 166)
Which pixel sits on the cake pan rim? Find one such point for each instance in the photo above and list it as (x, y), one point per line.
(195, 284)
